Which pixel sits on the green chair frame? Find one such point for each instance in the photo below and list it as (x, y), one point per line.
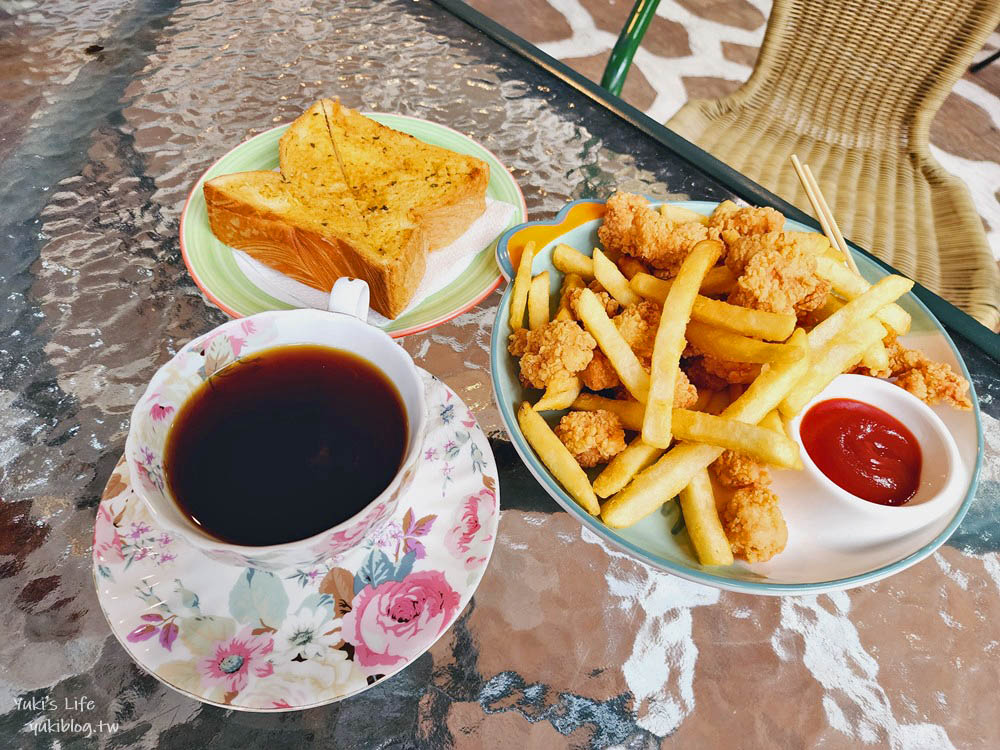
(628, 42)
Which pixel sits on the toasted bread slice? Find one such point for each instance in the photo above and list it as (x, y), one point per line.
(257, 212)
(311, 165)
(389, 170)
(354, 198)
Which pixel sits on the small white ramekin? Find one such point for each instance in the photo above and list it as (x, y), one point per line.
(939, 475)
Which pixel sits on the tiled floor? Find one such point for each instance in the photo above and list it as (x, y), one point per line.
(705, 48)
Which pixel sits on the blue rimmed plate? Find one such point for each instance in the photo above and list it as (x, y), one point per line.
(816, 559)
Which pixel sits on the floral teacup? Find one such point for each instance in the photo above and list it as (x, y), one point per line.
(342, 328)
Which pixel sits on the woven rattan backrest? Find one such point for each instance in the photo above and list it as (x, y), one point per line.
(866, 74)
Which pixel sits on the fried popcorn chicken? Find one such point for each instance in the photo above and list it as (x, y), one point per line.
(730, 372)
(740, 470)
(637, 324)
(788, 244)
(517, 342)
(593, 437)
(599, 375)
(930, 381)
(611, 305)
(630, 226)
(880, 373)
(776, 272)
(702, 378)
(732, 221)
(559, 349)
(754, 525)
(813, 300)
(685, 394)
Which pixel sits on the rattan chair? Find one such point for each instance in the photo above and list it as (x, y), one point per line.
(851, 86)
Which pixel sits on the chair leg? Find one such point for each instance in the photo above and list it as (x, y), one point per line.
(628, 42)
(983, 63)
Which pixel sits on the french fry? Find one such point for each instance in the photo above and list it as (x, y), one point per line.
(758, 324)
(828, 308)
(703, 398)
(849, 285)
(772, 421)
(843, 352)
(887, 290)
(571, 281)
(608, 275)
(895, 318)
(718, 280)
(673, 471)
(762, 395)
(876, 359)
(617, 350)
(571, 260)
(702, 521)
(631, 266)
(560, 394)
(787, 424)
(760, 442)
(736, 348)
(522, 280)
(680, 215)
(538, 301)
(719, 401)
(629, 412)
(834, 254)
(636, 457)
(652, 487)
(669, 342)
(649, 287)
(843, 280)
(557, 458)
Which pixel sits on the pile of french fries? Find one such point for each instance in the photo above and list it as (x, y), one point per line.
(673, 448)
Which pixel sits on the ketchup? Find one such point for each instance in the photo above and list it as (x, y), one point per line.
(863, 450)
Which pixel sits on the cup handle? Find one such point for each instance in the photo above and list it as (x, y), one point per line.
(350, 297)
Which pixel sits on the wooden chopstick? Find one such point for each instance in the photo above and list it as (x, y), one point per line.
(838, 235)
(822, 210)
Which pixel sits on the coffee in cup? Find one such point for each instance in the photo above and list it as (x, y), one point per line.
(284, 444)
(283, 439)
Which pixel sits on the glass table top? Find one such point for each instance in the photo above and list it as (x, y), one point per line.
(112, 111)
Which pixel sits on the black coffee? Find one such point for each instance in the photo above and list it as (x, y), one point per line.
(284, 444)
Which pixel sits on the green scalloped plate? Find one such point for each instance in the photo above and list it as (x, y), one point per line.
(213, 266)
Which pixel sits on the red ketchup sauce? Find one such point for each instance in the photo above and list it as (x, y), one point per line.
(863, 450)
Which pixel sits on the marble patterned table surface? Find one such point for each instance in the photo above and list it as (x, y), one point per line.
(112, 108)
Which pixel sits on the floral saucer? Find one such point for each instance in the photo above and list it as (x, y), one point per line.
(250, 640)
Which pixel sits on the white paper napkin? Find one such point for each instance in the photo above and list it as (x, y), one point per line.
(443, 266)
